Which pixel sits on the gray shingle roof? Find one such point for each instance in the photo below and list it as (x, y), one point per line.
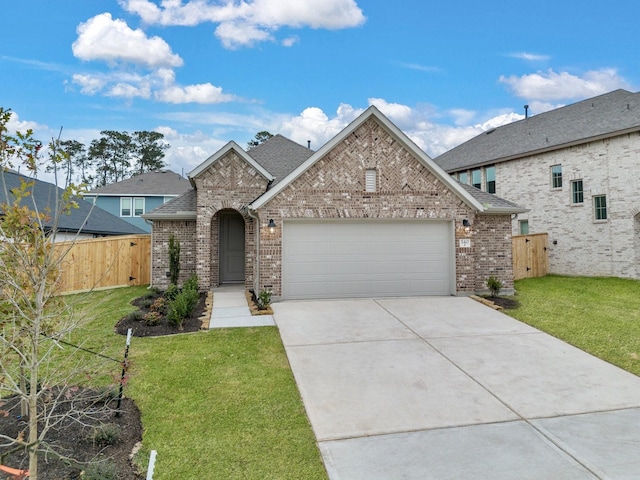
(181, 207)
(100, 222)
(490, 201)
(599, 117)
(159, 182)
(280, 156)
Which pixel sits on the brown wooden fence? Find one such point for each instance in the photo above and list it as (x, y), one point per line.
(106, 262)
(530, 258)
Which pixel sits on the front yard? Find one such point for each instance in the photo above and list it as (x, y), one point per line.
(598, 315)
(217, 404)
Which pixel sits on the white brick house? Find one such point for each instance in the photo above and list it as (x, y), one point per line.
(577, 170)
(368, 214)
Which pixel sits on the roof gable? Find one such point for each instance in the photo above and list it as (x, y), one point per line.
(599, 117)
(221, 153)
(406, 142)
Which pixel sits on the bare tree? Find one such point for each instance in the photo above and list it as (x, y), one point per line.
(38, 370)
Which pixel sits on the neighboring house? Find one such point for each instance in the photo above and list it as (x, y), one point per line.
(367, 215)
(577, 170)
(86, 221)
(131, 198)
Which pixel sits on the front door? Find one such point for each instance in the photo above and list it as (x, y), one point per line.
(231, 247)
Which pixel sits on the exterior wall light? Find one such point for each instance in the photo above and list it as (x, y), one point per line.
(271, 226)
(465, 223)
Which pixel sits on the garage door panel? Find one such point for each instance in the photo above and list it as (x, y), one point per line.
(328, 259)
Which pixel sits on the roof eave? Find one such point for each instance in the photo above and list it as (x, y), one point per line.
(171, 216)
(489, 210)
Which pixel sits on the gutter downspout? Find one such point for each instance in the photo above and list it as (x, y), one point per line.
(256, 280)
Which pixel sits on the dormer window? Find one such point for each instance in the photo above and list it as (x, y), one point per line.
(371, 180)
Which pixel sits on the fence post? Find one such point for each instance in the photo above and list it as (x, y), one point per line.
(152, 464)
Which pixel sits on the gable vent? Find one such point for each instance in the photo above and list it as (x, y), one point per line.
(370, 180)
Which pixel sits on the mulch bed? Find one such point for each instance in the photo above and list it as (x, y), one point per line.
(77, 441)
(504, 302)
(140, 329)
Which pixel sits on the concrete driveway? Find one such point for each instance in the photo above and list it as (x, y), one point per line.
(447, 388)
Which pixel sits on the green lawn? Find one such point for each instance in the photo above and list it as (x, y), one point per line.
(598, 315)
(218, 404)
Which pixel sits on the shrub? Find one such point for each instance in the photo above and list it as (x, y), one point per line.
(174, 260)
(103, 470)
(152, 318)
(146, 303)
(172, 292)
(494, 285)
(159, 305)
(136, 316)
(264, 299)
(106, 434)
(191, 283)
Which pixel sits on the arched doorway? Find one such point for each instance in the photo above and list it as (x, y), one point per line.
(231, 247)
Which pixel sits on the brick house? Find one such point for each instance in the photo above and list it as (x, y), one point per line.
(368, 214)
(576, 169)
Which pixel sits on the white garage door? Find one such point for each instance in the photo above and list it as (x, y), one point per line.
(331, 259)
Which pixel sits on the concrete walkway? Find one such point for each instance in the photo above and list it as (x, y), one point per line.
(230, 309)
(446, 388)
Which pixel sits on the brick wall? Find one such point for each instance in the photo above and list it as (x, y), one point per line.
(185, 233)
(584, 246)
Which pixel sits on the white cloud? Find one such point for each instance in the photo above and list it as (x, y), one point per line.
(248, 22)
(89, 84)
(290, 41)
(530, 57)
(113, 41)
(315, 126)
(240, 34)
(203, 93)
(550, 85)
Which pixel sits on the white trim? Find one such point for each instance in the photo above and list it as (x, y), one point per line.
(221, 153)
(398, 135)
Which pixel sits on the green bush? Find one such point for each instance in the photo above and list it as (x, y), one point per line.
(191, 283)
(183, 304)
(264, 299)
(172, 292)
(494, 285)
(137, 316)
(104, 470)
(104, 435)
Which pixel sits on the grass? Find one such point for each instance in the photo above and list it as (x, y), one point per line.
(598, 315)
(218, 404)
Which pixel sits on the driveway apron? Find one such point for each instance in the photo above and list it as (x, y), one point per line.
(447, 388)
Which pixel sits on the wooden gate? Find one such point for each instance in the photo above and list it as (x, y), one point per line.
(530, 257)
(106, 262)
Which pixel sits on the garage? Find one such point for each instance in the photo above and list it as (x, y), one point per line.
(366, 258)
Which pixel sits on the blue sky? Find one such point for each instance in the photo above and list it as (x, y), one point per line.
(204, 72)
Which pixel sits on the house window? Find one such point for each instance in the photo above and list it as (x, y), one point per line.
(577, 192)
(600, 207)
(138, 207)
(463, 177)
(370, 180)
(476, 178)
(131, 207)
(523, 227)
(556, 176)
(125, 207)
(490, 179)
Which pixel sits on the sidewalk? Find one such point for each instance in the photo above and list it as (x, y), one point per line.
(230, 309)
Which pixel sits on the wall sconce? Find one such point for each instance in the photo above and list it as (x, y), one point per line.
(271, 226)
(465, 223)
